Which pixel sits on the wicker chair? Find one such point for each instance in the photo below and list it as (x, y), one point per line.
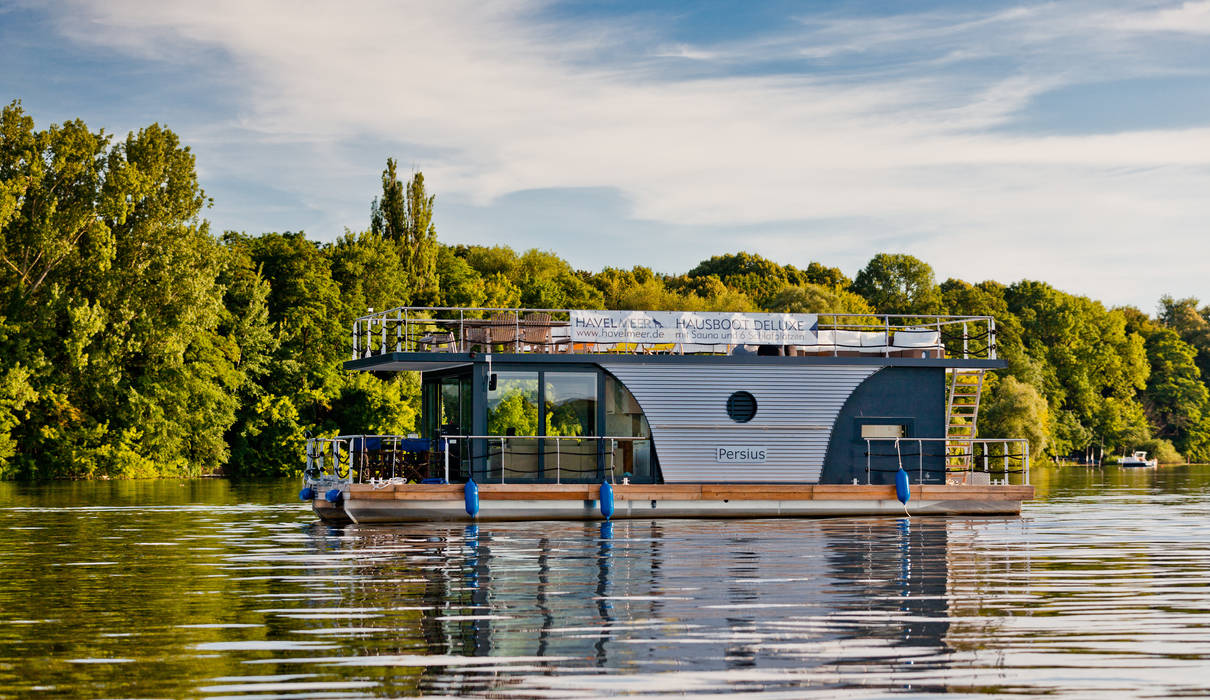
(475, 338)
(503, 329)
(437, 342)
(535, 331)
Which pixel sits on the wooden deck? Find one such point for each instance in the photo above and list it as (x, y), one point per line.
(689, 492)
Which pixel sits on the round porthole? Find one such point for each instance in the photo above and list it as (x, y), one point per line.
(741, 406)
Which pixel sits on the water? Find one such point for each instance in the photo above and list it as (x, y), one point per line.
(208, 589)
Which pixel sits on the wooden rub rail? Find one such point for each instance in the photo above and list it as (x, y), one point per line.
(690, 492)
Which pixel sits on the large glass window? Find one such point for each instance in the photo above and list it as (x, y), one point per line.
(512, 409)
(451, 406)
(630, 459)
(550, 420)
(430, 410)
(571, 415)
(466, 389)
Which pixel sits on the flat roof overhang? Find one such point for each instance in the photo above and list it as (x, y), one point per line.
(434, 361)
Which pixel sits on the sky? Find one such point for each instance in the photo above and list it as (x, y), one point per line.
(1065, 142)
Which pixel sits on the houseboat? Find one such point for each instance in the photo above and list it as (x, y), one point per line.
(561, 414)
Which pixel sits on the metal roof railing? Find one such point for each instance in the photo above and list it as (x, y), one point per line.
(518, 330)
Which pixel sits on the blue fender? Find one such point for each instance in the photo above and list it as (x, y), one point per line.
(606, 500)
(333, 496)
(307, 494)
(902, 490)
(471, 492)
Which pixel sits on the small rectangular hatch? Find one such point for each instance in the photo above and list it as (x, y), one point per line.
(882, 431)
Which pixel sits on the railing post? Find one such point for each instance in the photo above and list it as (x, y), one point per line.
(354, 339)
(1026, 458)
(920, 453)
(834, 353)
(558, 462)
(886, 340)
(965, 352)
(867, 460)
(447, 460)
(613, 448)
(382, 348)
(399, 332)
(502, 453)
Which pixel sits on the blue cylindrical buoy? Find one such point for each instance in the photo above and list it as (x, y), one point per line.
(902, 491)
(307, 494)
(333, 496)
(471, 491)
(606, 500)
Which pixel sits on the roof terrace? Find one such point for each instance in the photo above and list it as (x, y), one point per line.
(413, 329)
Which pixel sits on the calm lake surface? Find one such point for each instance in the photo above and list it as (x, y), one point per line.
(212, 589)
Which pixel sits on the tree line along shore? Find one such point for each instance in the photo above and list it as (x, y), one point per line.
(135, 342)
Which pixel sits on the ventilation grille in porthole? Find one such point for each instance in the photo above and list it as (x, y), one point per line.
(741, 407)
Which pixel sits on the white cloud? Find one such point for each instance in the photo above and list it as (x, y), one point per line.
(1186, 18)
(510, 102)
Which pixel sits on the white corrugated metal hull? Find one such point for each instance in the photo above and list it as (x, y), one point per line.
(686, 407)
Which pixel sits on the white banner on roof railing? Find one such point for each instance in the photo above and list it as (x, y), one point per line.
(694, 327)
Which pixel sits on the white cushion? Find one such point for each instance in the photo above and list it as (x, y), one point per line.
(917, 338)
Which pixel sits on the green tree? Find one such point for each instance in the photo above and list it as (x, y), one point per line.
(898, 284)
(1184, 317)
(109, 277)
(1015, 409)
(404, 215)
(460, 284)
(1091, 368)
(367, 269)
(1176, 397)
(826, 276)
(814, 298)
(548, 282)
(305, 310)
(760, 279)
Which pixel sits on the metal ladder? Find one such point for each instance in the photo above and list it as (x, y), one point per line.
(961, 418)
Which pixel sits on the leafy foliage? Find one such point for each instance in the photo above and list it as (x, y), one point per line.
(133, 342)
(898, 284)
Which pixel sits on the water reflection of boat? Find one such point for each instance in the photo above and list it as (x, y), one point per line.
(790, 600)
(584, 415)
(1138, 459)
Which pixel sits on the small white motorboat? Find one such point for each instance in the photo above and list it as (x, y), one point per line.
(1138, 460)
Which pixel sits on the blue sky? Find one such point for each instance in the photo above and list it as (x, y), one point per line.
(1068, 142)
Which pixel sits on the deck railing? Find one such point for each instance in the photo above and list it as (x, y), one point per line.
(515, 330)
(384, 458)
(388, 458)
(935, 460)
(351, 457)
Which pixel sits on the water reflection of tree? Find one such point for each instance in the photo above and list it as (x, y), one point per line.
(515, 413)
